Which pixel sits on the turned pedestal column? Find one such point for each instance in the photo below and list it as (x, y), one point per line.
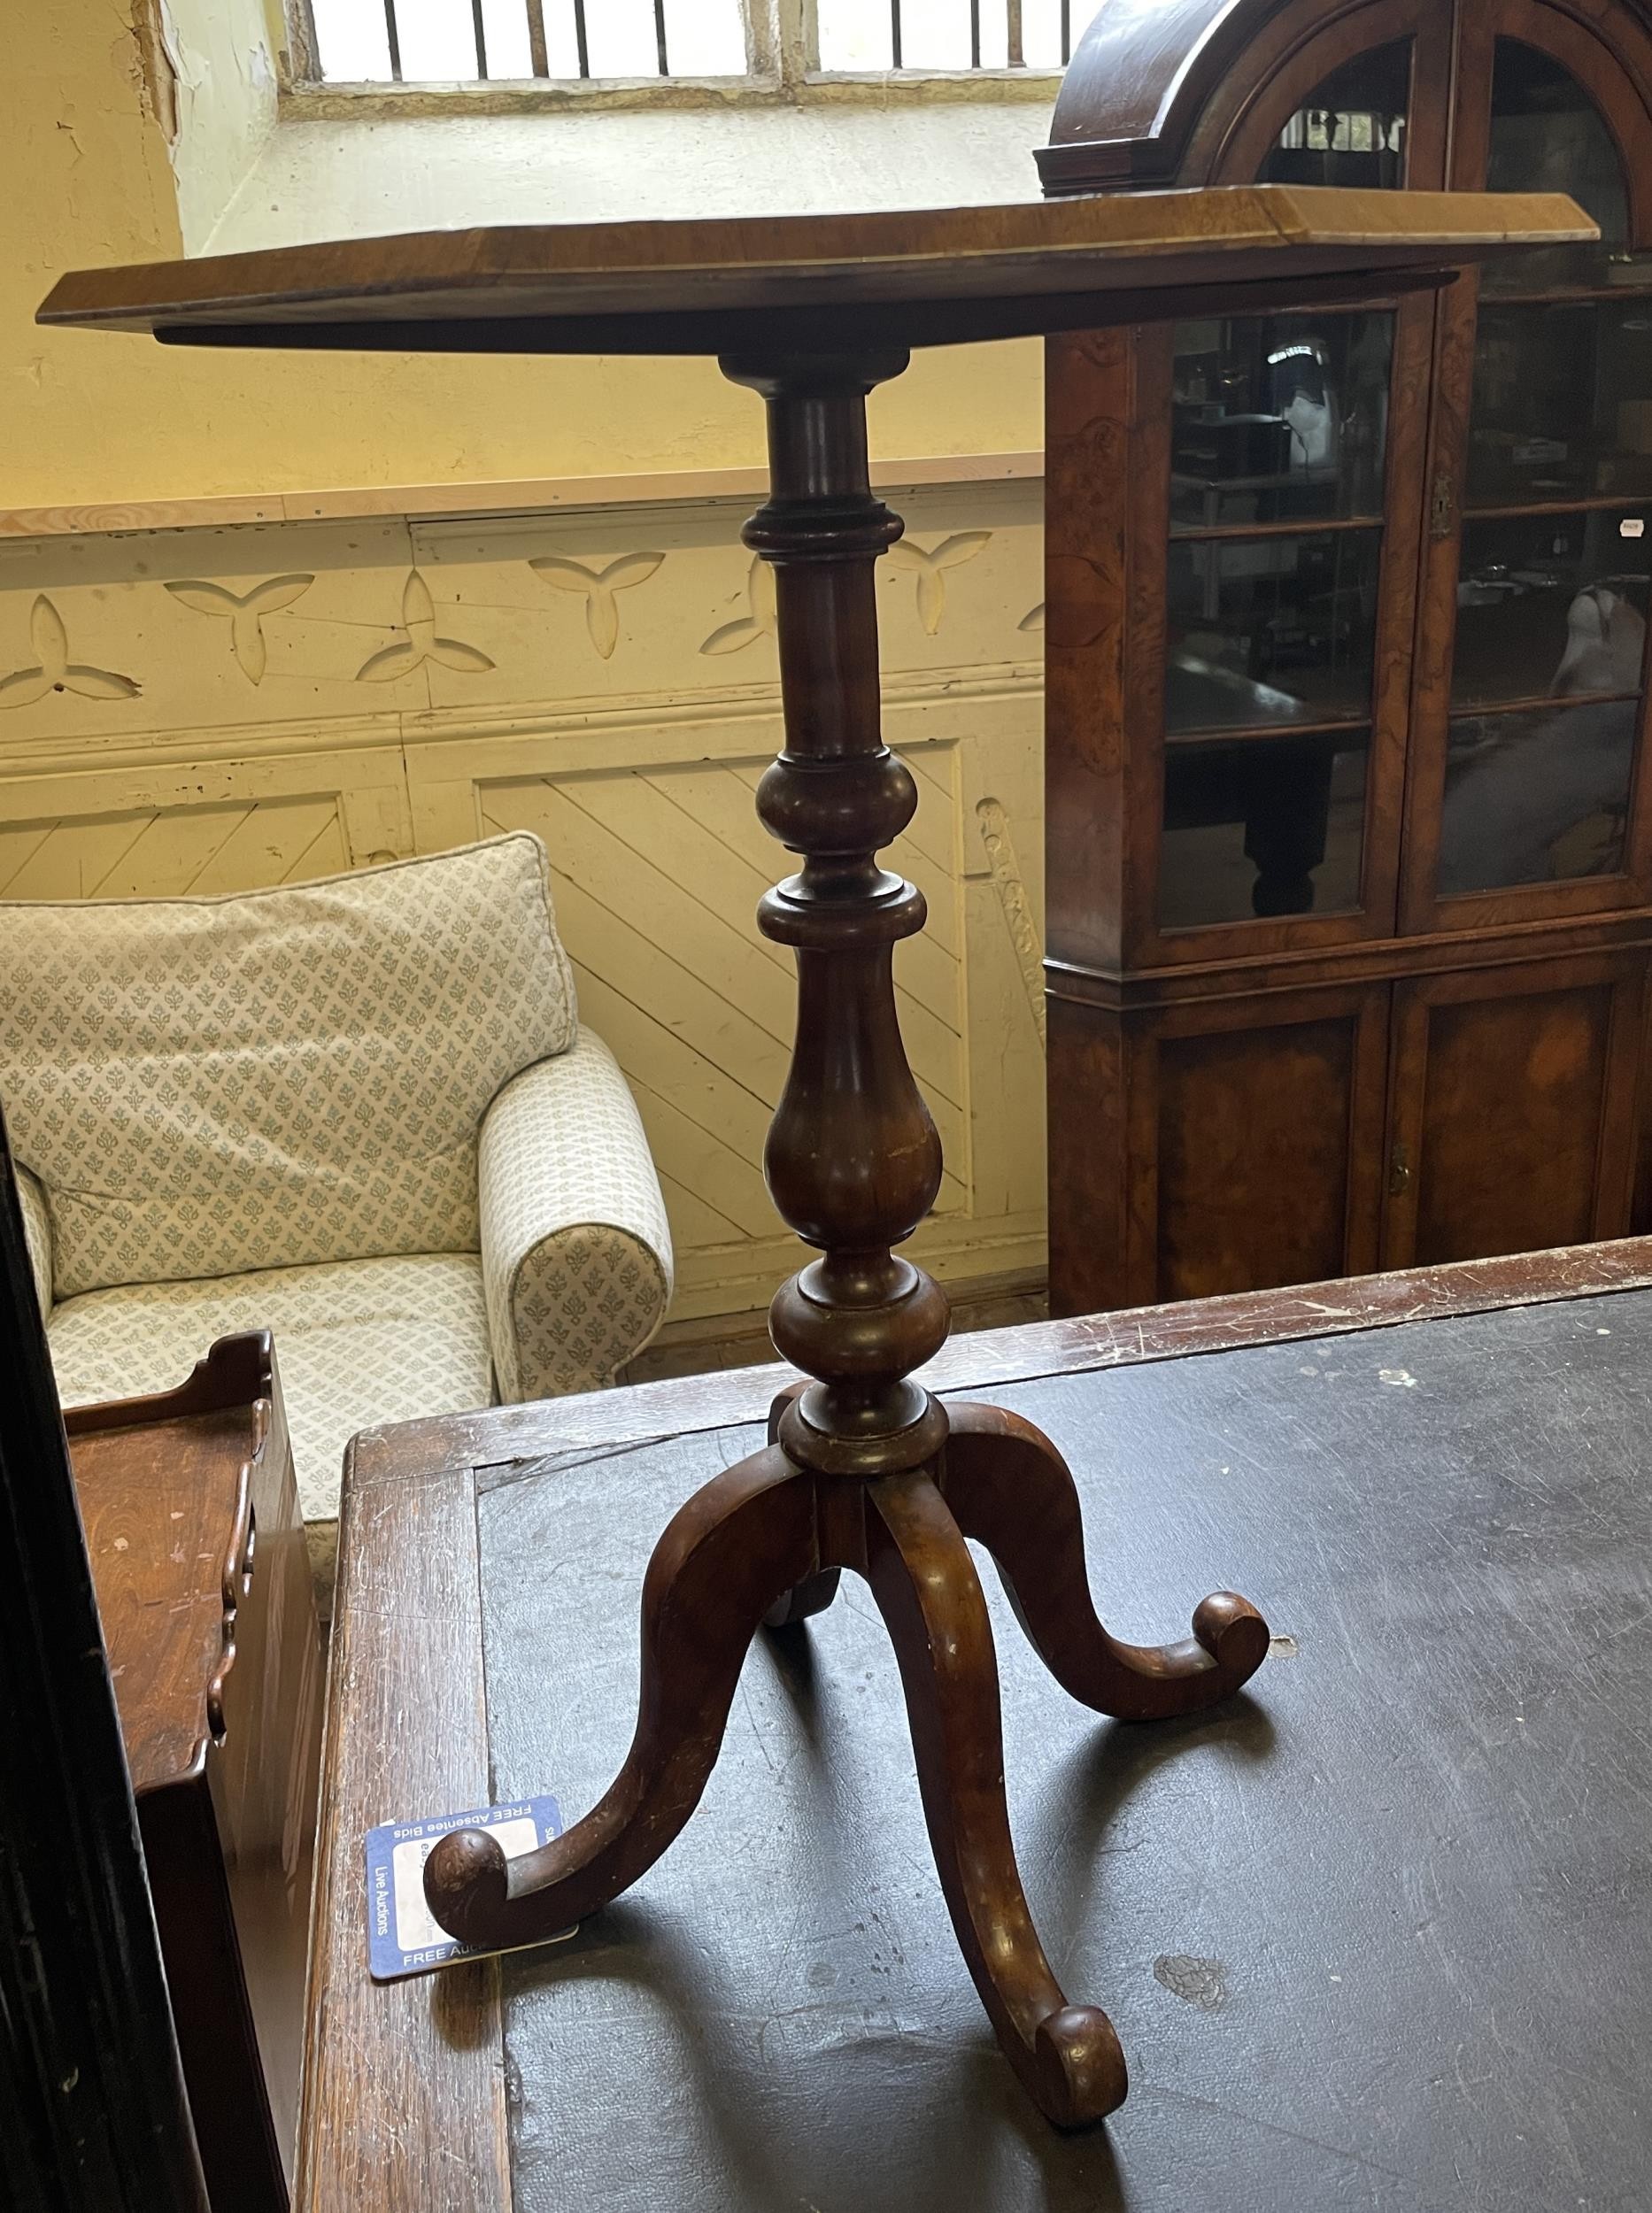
(866, 1470)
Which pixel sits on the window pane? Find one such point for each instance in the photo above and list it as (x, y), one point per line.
(505, 29)
(438, 40)
(1548, 605)
(1547, 135)
(621, 37)
(1041, 32)
(353, 44)
(934, 34)
(1536, 797)
(704, 38)
(1563, 402)
(1274, 826)
(1351, 128)
(1275, 629)
(1278, 416)
(855, 34)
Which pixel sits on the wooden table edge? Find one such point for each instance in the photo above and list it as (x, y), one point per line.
(986, 1359)
(405, 2101)
(415, 2116)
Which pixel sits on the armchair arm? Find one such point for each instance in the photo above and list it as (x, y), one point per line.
(36, 1234)
(576, 1248)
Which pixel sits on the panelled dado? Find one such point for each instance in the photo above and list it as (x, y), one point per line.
(212, 709)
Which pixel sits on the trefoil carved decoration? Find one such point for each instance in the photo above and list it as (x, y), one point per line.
(932, 566)
(420, 643)
(244, 613)
(758, 621)
(598, 586)
(54, 671)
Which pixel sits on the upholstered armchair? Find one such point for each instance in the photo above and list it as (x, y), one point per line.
(361, 1113)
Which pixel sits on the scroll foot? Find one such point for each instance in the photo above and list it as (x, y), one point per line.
(744, 1540)
(1011, 1491)
(924, 1581)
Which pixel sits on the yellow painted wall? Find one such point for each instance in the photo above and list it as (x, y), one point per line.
(103, 420)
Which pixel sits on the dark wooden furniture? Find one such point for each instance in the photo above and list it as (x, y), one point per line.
(1349, 835)
(197, 1545)
(1377, 1933)
(864, 1469)
(93, 2115)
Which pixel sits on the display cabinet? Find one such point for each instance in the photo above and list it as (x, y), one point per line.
(1349, 872)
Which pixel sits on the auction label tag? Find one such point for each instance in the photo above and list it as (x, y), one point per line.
(402, 1937)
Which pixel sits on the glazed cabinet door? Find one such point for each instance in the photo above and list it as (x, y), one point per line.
(1222, 1145)
(1295, 464)
(1512, 1108)
(1230, 619)
(1528, 799)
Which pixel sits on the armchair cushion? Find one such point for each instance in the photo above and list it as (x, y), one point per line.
(360, 1342)
(576, 1249)
(209, 1085)
(37, 1236)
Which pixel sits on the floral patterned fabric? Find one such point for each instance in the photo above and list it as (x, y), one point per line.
(278, 1078)
(37, 1236)
(358, 1342)
(576, 1248)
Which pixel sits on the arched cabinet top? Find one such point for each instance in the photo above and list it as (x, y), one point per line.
(1136, 85)
(1153, 86)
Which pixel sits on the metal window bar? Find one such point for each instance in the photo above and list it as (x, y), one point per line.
(1014, 34)
(539, 49)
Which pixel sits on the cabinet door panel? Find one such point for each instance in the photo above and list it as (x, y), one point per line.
(1260, 1122)
(1513, 1109)
(1526, 799)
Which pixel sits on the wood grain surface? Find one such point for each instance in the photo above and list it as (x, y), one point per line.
(727, 267)
(405, 2089)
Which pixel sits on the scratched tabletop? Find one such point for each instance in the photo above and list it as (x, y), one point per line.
(1377, 1936)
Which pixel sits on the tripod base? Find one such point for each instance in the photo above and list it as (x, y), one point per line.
(767, 1541)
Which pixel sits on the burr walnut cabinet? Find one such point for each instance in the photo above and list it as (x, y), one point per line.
(1349, 827)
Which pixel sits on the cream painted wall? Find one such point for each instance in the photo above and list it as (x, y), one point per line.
(208, 710)
(85, 177)
(174, 755)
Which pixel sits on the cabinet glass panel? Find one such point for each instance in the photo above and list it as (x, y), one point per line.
(1280, 418)
(1271, 631)
(1263, 827)
(1563, 402)
(1351, 127)
(1547, 135)
(1549, 607)
(1538, 796)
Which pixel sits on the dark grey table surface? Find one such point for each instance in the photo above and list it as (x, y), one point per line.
(1377, 1936)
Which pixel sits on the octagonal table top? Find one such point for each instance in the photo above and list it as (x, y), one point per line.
(932, 276)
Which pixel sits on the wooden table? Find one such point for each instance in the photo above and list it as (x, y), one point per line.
(1379, 1934)
(197, 1546)
(864, 1470)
